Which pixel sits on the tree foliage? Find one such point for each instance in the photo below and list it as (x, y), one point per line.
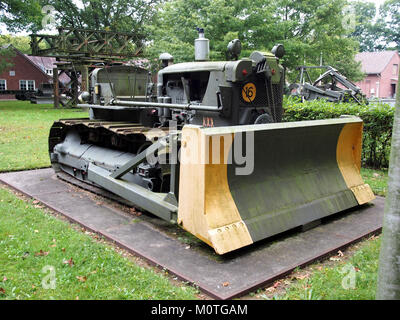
(21, 15)
(6, 55)
(390, 22)
(306, 28)
(6, 51)
(367, 31)
(116, 15)
(377, 32)
(22, 43)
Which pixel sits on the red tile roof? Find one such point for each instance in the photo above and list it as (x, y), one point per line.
(374, 62)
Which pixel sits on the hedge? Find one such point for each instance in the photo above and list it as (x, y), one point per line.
(378, 122)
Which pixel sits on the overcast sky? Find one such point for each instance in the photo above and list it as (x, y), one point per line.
(377, 2)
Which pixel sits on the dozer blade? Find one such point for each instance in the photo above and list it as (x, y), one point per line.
(242, 184)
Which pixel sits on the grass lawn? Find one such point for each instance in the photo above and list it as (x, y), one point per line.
(31, 240)
(332, 280)
(377, 179)
(347, 278)
(24, 130)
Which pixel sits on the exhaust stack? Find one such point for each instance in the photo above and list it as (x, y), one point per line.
(201, 47)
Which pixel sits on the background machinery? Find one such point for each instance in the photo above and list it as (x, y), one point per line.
(78, 52)
(326, 86)
(204, 147)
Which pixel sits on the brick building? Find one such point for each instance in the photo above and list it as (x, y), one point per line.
(381, 70)
(27, 73)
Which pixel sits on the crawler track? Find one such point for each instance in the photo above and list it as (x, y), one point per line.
(125, 139)
(124, 136)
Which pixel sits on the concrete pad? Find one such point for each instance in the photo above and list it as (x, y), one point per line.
(159, 242)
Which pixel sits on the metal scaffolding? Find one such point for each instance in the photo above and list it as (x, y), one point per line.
(78, 52)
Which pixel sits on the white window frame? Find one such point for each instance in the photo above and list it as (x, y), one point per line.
(5, 83)
(26, 84)
(395, 69)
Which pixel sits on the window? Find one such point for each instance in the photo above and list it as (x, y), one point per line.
(395, 68)
(49, 71)
(12, 73)
(27, 85)
(3, 84)
(22, 84)
(31, 85)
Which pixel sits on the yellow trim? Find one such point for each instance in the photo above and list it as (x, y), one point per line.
(348, 156)
(206, 207)
(227, 231)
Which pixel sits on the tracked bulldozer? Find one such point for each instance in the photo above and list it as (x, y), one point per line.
(205, 148)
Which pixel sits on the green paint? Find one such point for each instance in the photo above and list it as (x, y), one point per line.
(274, 65)
(296, 180)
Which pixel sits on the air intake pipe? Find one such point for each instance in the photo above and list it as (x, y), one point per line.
(201, 47)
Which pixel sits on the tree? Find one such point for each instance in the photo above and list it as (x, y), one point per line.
(389, 260)
(311, 28)
(390, 20)
(21, 14)
(306, 28)
(174, 28)
(115, 15)
(22, 43)
(368, 32)
(6, 51)
(110, 15)
(6, 54)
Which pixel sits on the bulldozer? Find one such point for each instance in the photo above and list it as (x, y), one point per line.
(204, 147)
